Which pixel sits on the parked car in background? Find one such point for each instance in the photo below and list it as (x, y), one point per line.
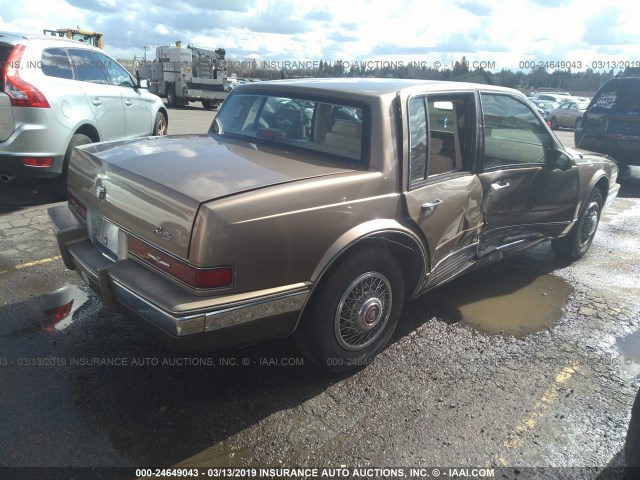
(559, 98)
(545, 106)
(57, 94)
(583, 102)
(611, 123)
(567, 115)
(315, 207)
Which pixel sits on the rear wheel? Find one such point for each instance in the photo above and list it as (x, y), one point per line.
(578, 123)
(577, 242)
(554, 123)
(171, 96)
(353, 312)
(76, 140)
(210, 104)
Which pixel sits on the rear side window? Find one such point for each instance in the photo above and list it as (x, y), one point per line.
(321, 126)
(617, 96)
(441, 137)
(87, 66)
(55, 63)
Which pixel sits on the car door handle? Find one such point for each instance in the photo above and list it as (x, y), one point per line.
(429, 207)
(499, 185)
(97, 102)
(128, 103)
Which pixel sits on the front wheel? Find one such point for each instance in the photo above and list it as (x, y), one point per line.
(160, 125)
(575, 244)
(353, 312)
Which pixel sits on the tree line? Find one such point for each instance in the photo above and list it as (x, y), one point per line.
(534, 79)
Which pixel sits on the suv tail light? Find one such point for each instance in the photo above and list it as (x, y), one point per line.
(21, 93)
(38, 161)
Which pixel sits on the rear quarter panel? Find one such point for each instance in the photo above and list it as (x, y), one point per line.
(278, 235)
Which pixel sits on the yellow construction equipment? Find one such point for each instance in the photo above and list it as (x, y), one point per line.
(92, 38)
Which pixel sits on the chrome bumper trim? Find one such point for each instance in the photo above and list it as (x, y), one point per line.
(217, 317)
(260, 307)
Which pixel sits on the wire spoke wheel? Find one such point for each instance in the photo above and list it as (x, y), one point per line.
(589, 223)
(363, 311)
(577, 242)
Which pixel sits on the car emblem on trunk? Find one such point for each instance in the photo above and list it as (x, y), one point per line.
(159, 232)
(101, 192)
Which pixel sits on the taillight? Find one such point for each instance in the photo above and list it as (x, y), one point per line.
(20, 92)
(76, 205)
(201, 278)
(38, 161)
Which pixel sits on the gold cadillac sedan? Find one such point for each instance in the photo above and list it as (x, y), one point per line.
(315, 207)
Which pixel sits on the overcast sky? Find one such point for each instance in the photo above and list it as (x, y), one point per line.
(504, 31)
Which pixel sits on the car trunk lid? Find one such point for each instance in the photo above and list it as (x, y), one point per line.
(153, 187)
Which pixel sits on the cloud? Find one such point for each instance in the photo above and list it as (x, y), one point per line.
(391, 49)
(97, 5)
(338, 37)
(319, 15)
(277, 18)
(351, 26)
(552, 3)
(606, 28)
(161, 29)
(476, 8)
(472, 42)
(208, 5)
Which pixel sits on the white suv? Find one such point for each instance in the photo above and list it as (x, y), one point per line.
(56, 94)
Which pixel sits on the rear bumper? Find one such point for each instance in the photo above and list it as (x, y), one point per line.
(623, 151)
(180, 320)
(13, 165)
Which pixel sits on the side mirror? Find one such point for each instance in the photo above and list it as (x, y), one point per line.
(141, 83)
(561, 161)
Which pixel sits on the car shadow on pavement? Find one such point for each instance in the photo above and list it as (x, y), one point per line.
(629, 181)
(25, 192)
(161, 407)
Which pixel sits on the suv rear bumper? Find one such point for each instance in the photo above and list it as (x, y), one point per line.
(14, 165)
(37, 133)
(215, 321)
(622, 151)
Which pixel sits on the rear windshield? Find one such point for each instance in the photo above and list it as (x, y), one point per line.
(320, 126)
(618, 96)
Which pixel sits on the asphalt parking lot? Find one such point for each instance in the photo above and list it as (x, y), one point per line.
(529, 367)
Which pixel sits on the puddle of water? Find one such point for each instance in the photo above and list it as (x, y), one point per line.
(59, 306)
(629, 348)
(503, 301)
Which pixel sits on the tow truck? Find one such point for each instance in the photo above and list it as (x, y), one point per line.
(186, 74)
